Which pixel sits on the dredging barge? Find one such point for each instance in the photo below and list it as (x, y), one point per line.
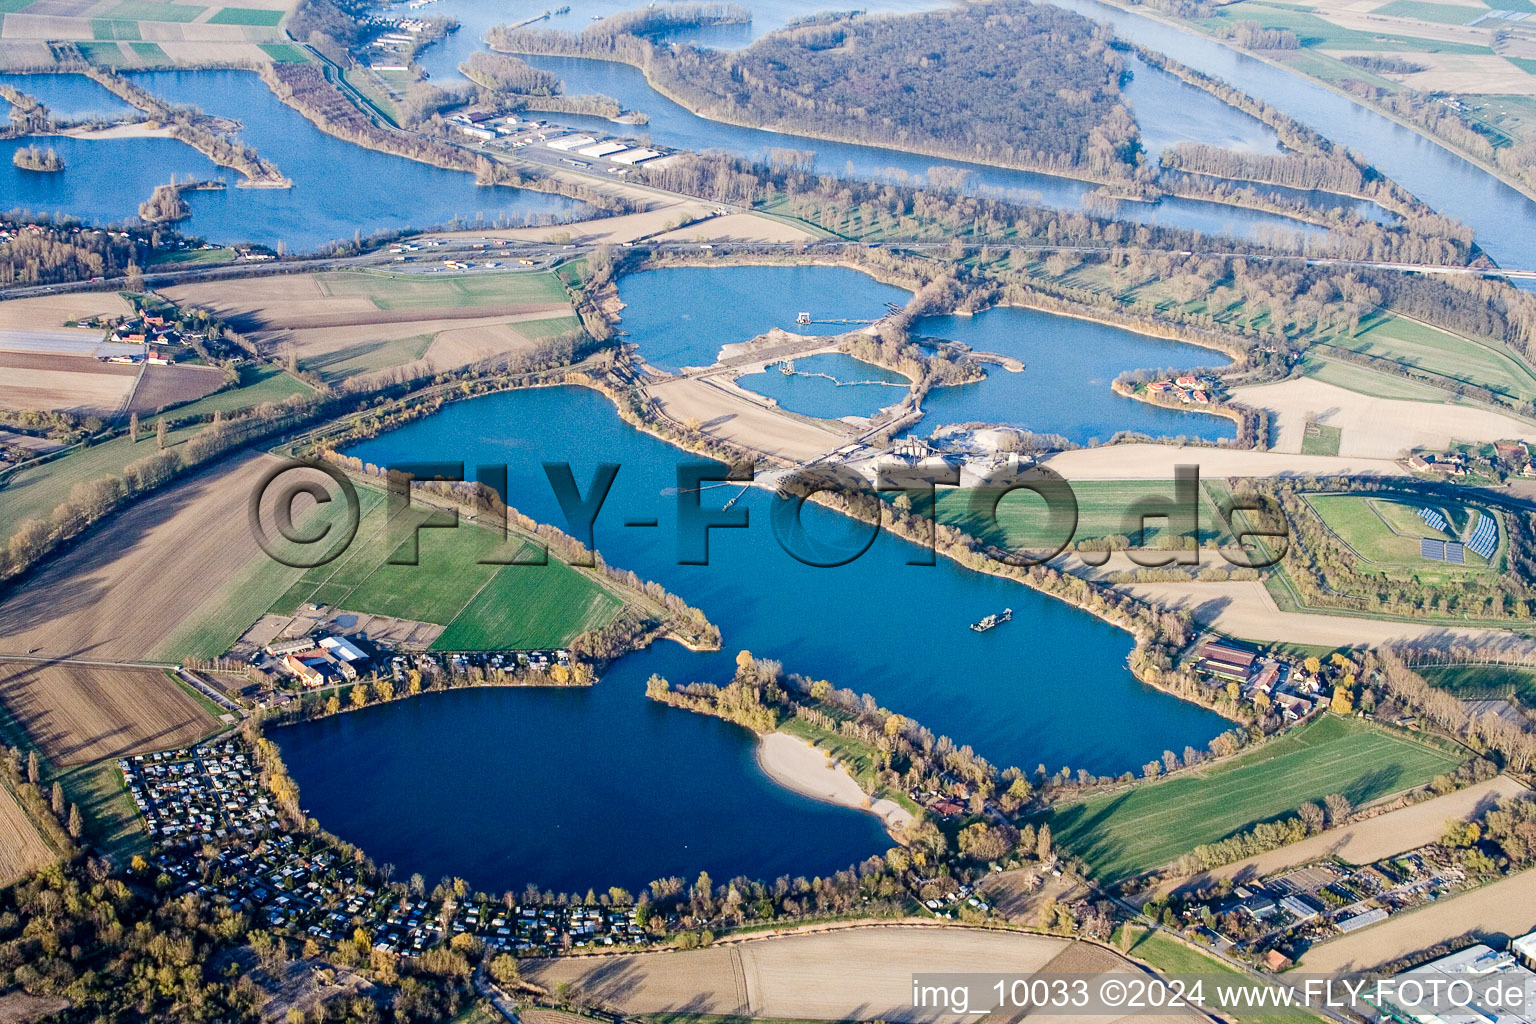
(993, 620)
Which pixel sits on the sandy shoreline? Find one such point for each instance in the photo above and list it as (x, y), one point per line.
(797, 765)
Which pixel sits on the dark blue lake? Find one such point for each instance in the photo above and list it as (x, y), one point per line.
(680, 316)
(569, 789)
(1050, 688)
(103, 180)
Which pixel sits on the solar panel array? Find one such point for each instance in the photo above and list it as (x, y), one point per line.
(1432, 518)
(1455, 553)
(1434, 550)
(1485, 537)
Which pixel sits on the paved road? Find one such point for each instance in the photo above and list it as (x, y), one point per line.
(544, 255)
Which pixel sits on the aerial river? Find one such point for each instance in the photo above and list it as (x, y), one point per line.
(598, 787)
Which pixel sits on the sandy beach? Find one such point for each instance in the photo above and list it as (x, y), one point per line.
(795, 764)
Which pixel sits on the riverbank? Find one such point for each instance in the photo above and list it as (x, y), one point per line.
(799, 766)
(1492, 170)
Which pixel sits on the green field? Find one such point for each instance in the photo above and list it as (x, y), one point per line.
(1431, 350)
(1366, 381)
(538, 330)
(1444, 14)
(285, 53)
(484, 606)
(102, 28)
(148, 10)
(366, 357)
(529, 607)
(246, 16)
(150, 53)
(1120, 834)
(1321, 439)
(258, 385)
(194, 257)
(107, 54)
(416, 291)
(1102, 508)
(1315, 32)
(1474, 681)
(33, 493)
(1168, 955)
(1386, 530)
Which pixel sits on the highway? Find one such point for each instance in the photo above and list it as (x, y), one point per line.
(482, 248)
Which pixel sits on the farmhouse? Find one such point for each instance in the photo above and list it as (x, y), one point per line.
(307, 666)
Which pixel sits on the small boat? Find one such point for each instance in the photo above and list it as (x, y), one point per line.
(992, 620)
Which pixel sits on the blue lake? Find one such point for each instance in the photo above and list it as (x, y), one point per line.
(70, 97)
(830, 386)
(680, 316)
(1065, 389)
(340, 190)
(569, 789)
(104, 180)
(1051, 688)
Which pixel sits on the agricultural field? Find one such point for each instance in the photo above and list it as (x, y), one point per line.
(79, 714)
(163, 387)
(1321, 28)
(65, 383)
(366, 324)
(847, 974)
(1483, 681)
(23, 846)
(1121, 834)
(1102, 508)
(418, 291)
(1426, 349)
(1321, 439)
(127, 590)
(366, 357)
(1366, 381)
(461, 581)
(1386, 531)
(1363, 842)
(133, 33)
(33, 493)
